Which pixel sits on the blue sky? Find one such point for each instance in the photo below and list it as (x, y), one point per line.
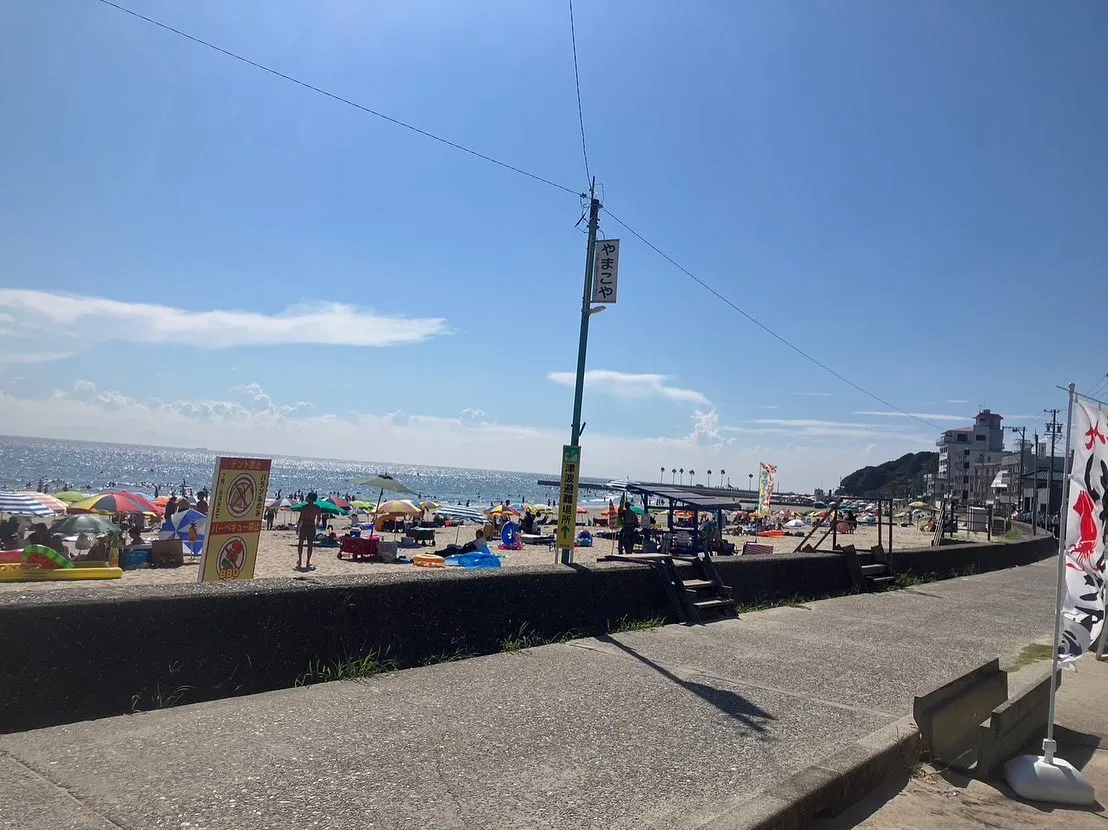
(912, 192)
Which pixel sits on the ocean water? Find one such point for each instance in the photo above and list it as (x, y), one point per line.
(90, 467)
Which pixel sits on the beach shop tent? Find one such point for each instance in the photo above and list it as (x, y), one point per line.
(21, 504)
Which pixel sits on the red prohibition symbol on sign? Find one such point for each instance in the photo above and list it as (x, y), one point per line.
(240, 496)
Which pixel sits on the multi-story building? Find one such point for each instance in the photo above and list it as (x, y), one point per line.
(969, 459)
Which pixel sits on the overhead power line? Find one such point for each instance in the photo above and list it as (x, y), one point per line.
(338, 98)
(577, 81)
(763, 326)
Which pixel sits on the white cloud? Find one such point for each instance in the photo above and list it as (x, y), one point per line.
(926, 416)
(85, 321)
(469, 414)
(956, 400)
(813, 394)
(629, 385)
(808, 427)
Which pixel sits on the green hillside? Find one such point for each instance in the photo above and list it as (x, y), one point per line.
(892, 477)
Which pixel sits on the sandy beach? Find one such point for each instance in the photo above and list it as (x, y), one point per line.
(277, 556)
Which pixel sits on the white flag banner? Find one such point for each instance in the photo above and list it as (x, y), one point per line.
(1086, 523)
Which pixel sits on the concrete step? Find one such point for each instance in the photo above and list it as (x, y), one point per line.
(876, 569)
(697, 584)
(705, 604)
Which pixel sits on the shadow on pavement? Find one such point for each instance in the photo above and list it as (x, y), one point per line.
(730, 703)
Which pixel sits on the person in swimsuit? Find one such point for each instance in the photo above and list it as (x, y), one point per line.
(305, 527)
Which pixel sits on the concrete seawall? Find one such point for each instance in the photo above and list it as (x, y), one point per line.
(79, 653)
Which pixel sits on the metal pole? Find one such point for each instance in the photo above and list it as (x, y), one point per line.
(583, 343)
(1048, 742)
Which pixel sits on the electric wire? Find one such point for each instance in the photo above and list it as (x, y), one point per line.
(764, 327)
(339, 98)
(577, 82)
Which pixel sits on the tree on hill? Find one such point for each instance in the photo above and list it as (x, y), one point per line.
(904, 475)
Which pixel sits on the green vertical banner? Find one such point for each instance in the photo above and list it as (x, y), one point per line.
(567, 500)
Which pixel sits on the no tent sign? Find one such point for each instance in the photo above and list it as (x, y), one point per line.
(239, 487)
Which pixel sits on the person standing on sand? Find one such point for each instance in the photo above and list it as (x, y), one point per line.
(305, 527)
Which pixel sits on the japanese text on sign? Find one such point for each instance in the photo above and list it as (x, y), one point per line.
(605, 273)
(567, 501)
(236, 504)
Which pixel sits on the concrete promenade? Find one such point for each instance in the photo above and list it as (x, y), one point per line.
(671, 727)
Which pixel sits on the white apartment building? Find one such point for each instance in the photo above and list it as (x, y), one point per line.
(969, 459)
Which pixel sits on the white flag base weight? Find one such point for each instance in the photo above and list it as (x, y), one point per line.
(1047, 778)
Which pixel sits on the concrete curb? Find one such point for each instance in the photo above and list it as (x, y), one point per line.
(826, 788)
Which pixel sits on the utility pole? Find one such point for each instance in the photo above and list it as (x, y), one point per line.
(583, 344)
(1054, 429)
(1035, 486)
(1022, 432)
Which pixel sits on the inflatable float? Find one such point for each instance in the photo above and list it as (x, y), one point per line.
(38, 563)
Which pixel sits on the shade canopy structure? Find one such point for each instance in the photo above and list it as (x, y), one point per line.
(111, 503)
(20, 504)
(398, 507)
(55, 504)
(84, 523)
(325, 506)
(383, 481)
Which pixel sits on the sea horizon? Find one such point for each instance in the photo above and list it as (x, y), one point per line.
(91, 465)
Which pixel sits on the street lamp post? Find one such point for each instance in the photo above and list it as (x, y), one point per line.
(662, 475)
(709, 478)
(681, 470)
(750, 481)
(673, 476)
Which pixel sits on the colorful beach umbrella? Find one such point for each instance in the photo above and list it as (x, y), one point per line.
(70, 496)
(280, 504)
(20, 504)
(325, 506)
(452, 511)
(343, 504)
(116, 502)
(398, 507)
(84, 523)
(179, 523)
(55, 504)
(501, 510)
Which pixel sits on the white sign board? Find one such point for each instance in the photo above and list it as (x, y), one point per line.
(605, 272)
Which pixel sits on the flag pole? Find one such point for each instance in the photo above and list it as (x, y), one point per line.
(1049, 744)
(1046, 777)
